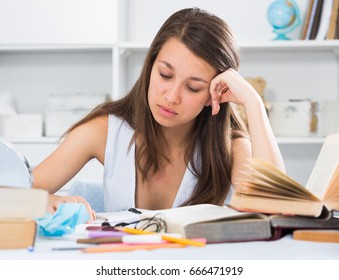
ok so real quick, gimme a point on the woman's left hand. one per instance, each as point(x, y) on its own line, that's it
point(230, 86)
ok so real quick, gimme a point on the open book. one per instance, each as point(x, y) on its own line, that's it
point(263, 188)
point(224, 224)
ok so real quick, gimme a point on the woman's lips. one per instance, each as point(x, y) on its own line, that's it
point(167, 112)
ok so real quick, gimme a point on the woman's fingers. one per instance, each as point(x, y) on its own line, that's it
point(55, 201)
point(217, 92)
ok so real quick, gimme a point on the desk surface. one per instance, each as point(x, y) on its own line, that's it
point(283, 249)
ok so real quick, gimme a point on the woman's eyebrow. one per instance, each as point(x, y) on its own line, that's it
point(168, 65)
point(198, 79)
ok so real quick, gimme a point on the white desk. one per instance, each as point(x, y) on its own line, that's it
point(283, 249)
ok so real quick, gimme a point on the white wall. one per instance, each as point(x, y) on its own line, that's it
point(31, 76)
point(57, 21)
point(247, 18)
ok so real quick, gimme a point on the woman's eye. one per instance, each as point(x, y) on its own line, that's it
point(166, 77)
point(192, 89)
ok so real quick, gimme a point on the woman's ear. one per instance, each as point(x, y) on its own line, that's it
point(209, 102)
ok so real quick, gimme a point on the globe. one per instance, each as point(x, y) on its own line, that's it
point(284, 16)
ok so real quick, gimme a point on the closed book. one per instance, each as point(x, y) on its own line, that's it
point(325, 20)
point(311, 19)
point(17, 233)
point(336, 33)
point(317, 235)
point(333, 21)
point(317, 19)
point(286, 222)
point(306, 20)
point(18, 202)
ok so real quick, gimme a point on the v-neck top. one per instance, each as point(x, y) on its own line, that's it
point(120, 172)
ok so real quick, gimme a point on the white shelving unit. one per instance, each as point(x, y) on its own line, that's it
point(32, 68)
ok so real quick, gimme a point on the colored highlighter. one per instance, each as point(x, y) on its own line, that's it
point(101, 233)
point(125, 247)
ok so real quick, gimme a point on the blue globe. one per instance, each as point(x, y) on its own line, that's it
point(284, 16)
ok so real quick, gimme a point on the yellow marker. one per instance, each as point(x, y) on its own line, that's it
point(133, 230)
point(184, 241)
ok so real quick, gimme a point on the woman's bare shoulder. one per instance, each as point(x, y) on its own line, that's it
point(96, 127)
point(91, 136)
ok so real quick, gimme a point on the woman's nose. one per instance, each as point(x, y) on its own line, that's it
point(172, 95)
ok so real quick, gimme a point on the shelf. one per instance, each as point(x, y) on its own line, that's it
point(293, 45)
point(274, 45)
point(280, 140)
point(56, 48)
point(35, 140)
point(300, 140)
point(126, 48)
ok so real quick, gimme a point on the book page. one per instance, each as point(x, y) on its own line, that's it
point(331, 197)
point(196, 213)
point(117, 217)
point(325, 166)
point(271, 180)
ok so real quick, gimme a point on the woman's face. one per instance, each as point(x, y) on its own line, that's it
point(179, 85)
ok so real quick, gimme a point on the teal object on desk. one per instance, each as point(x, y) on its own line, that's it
point(284, 16)
point(64, 220)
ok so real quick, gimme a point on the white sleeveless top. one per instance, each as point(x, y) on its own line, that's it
point(120, 173)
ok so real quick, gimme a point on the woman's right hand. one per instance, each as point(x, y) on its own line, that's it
point(230, 86)
point(55, 200)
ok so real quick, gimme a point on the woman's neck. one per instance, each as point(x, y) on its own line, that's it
point(176, 138)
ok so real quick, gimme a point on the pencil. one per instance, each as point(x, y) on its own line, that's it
point(99, 240)
point(126, 239)
point(68, 248)
point(124, 248)
point(185, 241)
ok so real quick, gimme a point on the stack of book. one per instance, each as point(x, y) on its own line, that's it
point(19, 207)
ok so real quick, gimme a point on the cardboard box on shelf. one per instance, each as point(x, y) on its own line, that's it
point(57, 122)
point(64, 110)
point(21, 125)
point(328, 117)
point(75, 101)
point(293, 118)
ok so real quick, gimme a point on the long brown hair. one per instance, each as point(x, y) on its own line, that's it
point(210, 38)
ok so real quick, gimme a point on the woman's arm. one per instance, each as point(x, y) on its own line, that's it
point(82, 144)
point(262, 143)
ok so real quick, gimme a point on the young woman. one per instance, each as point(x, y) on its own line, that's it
point(175, 138)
